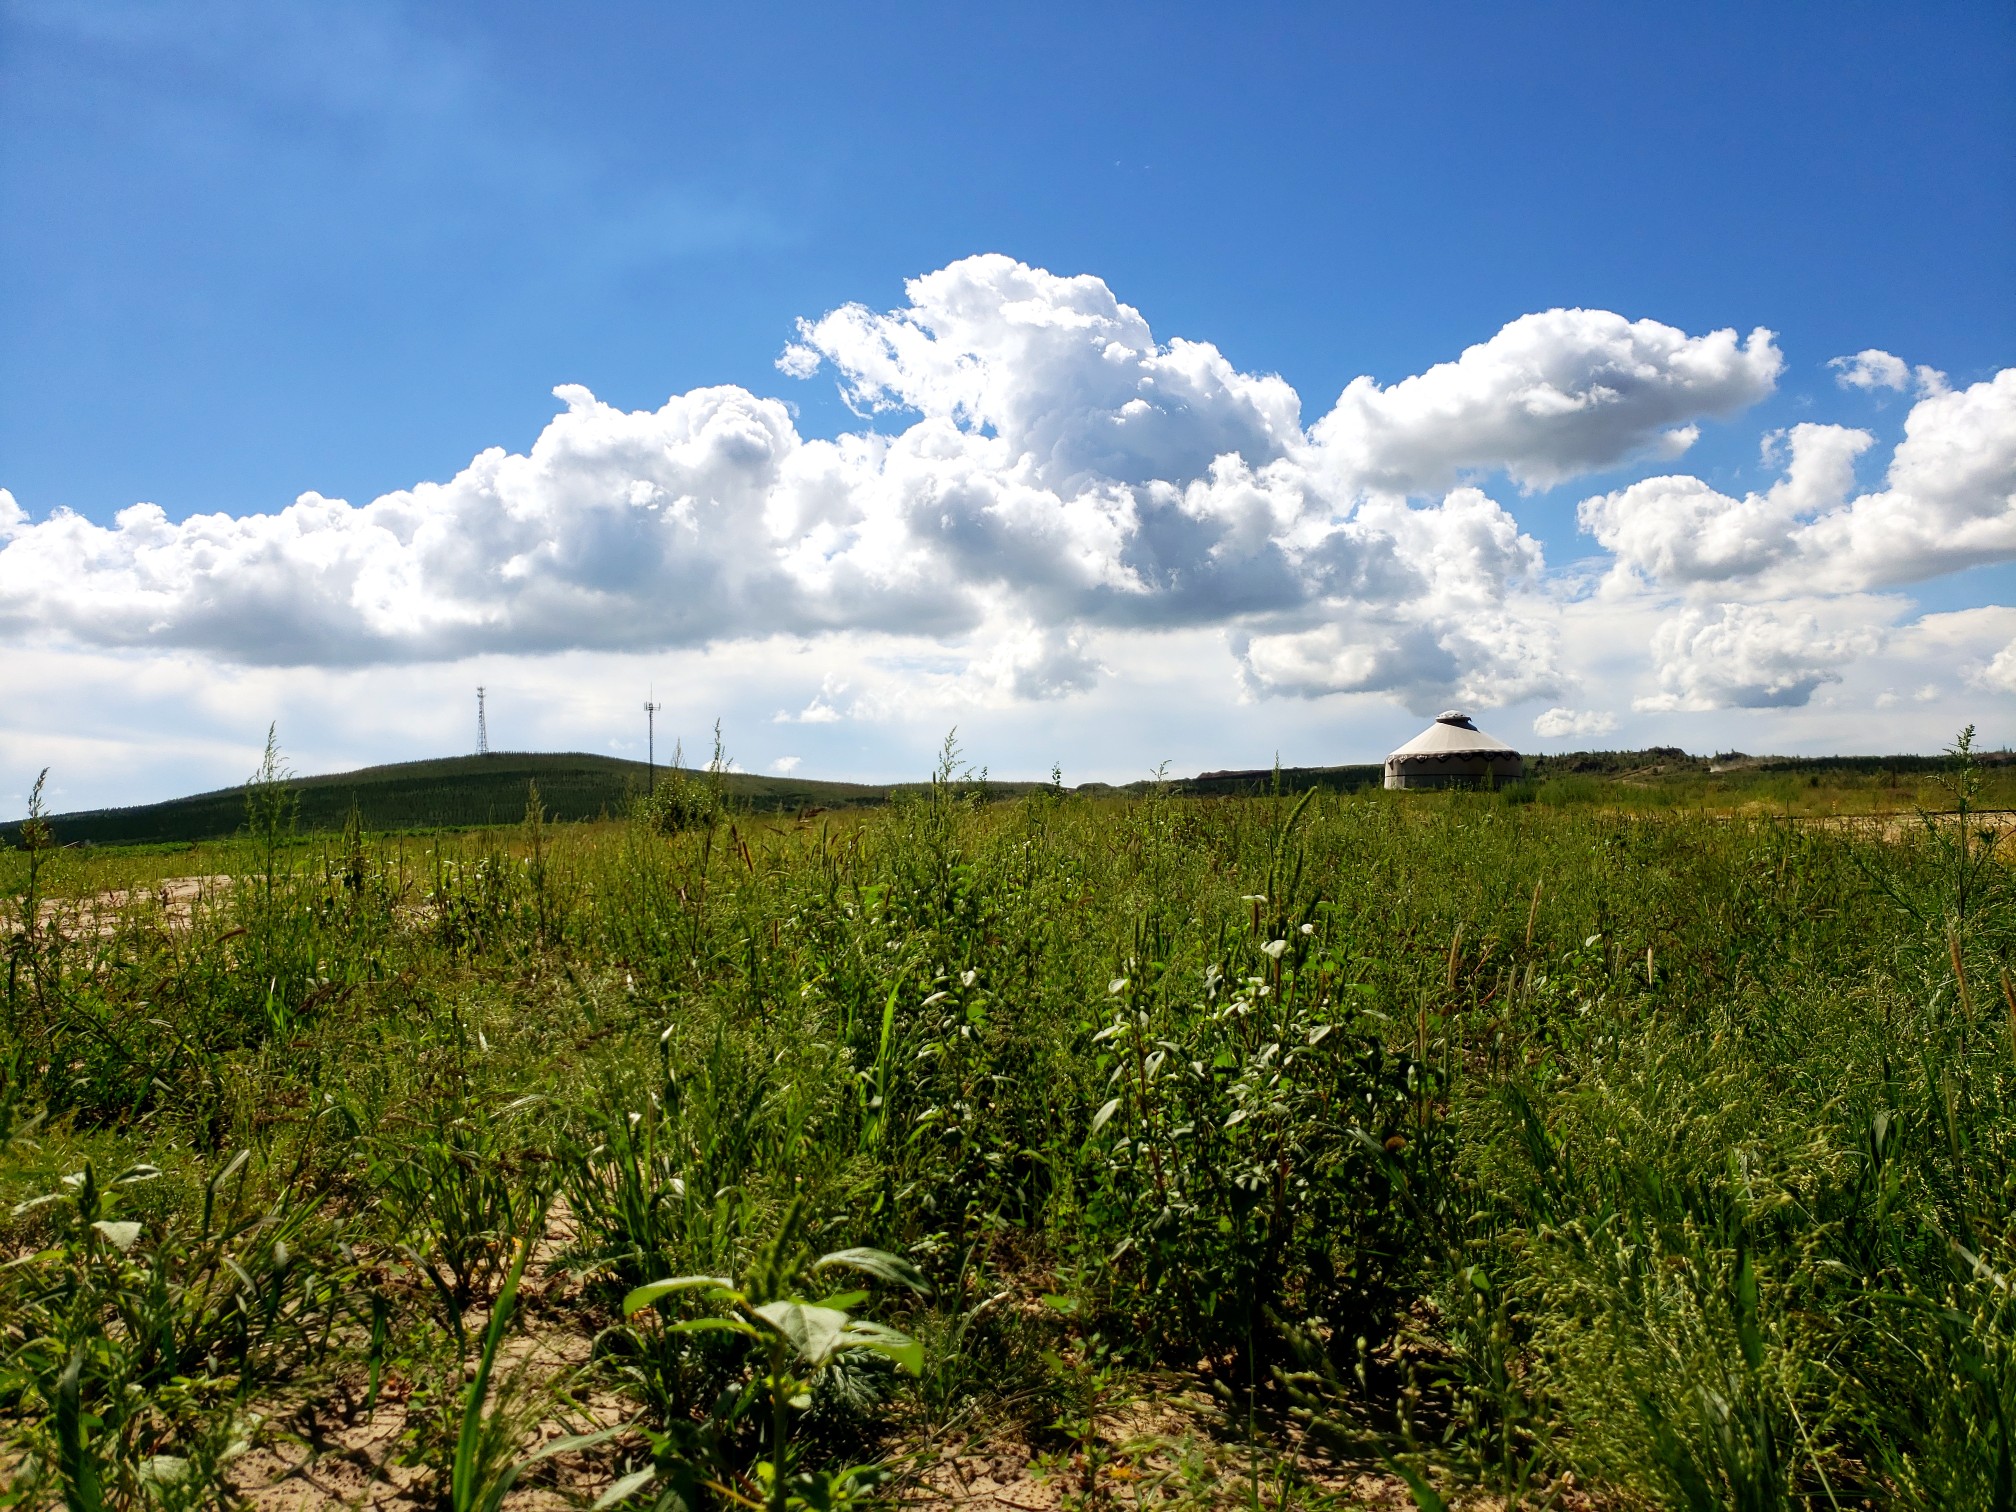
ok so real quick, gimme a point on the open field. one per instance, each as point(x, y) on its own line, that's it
point(1545, 1147)
point(463, 792)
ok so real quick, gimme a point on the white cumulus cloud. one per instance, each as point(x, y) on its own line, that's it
point(1557, 722)
point(822, 708)
point(1439, 604)
point(1949, 502)
point(1549, 397)
point(1677, 530)
point(2000, 673)
point(1873, 368)
point(1070, 381)
point(1749, 656)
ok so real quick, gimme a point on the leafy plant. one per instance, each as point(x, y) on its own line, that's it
point(131, 1347)
point(679, 800)
point(791, 1344)
point(453, 1195)
point(270, 808)
point(27, 943)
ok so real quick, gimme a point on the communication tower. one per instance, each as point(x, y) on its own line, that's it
point(651, 744)
point(482, 726)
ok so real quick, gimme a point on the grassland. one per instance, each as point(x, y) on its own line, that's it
point(1556, 1146)
point(468, 792)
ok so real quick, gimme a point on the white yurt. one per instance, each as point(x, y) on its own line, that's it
point(1452, 752)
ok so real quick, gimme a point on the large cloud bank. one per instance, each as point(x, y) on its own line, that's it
point(1772, 587)
point(1949, 502)
point(1035, 466)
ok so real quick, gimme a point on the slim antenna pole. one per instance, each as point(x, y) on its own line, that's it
point(650, 744)
point(482, 726)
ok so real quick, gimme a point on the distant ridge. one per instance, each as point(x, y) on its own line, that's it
point(459, 792)
point(447, 793)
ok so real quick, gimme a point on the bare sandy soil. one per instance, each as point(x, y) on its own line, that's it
point(171, 903)
point(1167, 1447)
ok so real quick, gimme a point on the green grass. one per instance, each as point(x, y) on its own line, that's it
point(464, 792)
point(1516, 1141)
point(451, 793)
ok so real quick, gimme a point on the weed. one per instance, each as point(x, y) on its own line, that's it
point(793, 1346)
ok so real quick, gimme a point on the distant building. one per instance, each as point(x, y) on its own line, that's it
point(1452, 752)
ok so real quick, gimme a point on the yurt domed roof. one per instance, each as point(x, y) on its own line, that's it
point(1452, 734)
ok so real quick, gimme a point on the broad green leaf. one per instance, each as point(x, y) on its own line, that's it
point(1099, 1119)
point(880, 1264)
point(649, 1294)
point(815, 1332)
point(888, 1342)
point(164, 1470)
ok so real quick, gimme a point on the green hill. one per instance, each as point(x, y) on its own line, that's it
point(449, 793)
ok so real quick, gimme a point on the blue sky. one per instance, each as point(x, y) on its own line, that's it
point(250, 251)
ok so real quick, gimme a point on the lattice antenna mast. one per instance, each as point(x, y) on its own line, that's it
point(651, 744)
point(482, 726)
